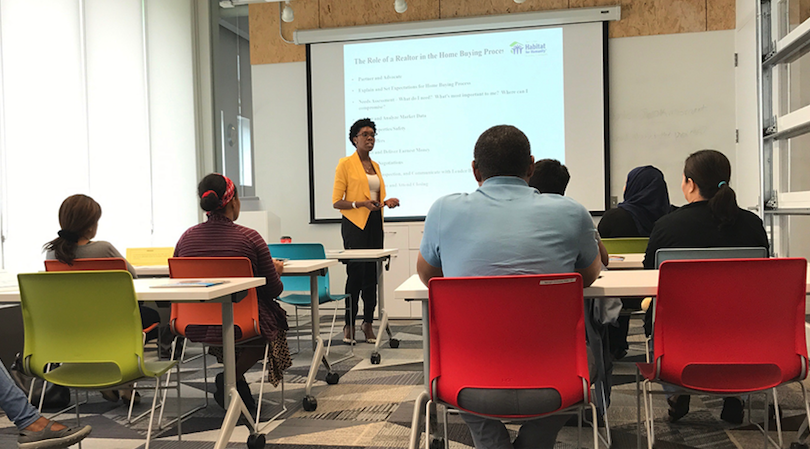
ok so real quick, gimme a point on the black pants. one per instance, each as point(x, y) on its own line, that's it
point(362, 276)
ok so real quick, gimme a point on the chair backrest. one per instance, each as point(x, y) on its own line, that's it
point(82, 317)
point(149, 257)
point(731, 325)
point(109, 263)
point(626, 245)
point(301, 251)
point(508, 346)
point(664, 254)
point(245, 312)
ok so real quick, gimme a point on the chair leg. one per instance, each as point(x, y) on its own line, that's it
point(152, 415)
point(595, 426)
point(806, 411)
point(777, 417)
point(297, 331)
point(261, 384)
point(332, 329)
point(646, 392)
point(427, 423)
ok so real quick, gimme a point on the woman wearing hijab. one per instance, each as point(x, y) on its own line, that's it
point(646, 199)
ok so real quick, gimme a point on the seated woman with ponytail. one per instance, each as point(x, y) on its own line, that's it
point(711, 219)
point(78, 217)
point(219, 236)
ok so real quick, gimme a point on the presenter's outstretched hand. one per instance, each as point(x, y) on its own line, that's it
point(392, 202)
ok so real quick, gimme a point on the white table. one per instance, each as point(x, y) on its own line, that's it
point(313, 268)
point(610, 284)
point(151, 270)
point(379, 256)
point(227, 293)
point(626, 262)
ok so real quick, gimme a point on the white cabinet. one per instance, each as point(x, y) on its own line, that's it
point(406, 238)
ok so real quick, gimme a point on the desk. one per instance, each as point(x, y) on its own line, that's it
point(227, 294)
point(155, 271)
point(379, 256)
point(618, 283)
point(627, 262)
point(313, 269)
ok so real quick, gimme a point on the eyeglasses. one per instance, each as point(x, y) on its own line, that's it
point(367, 134)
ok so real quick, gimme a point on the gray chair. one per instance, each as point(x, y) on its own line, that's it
point(664, 254)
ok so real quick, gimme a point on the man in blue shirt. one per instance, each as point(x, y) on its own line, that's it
point(507, 228)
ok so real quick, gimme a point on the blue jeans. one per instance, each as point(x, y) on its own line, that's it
point(14, 402)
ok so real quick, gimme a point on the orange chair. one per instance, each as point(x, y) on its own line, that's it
point(728, 328)
point(245, 312)
point(475, 364)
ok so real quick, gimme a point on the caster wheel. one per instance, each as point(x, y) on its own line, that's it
point(332, 378)
point(437, 443)
point(798, 446)
point(394, 343)
point(375, 358)
point(310, 403)
point(256, 441)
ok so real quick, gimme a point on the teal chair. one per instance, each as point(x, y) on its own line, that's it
point(87, 322)
point(305, 251)
point(626, 245)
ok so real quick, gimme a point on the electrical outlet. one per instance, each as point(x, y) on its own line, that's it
point(614, 201)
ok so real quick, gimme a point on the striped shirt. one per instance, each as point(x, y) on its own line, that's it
point(221, 237)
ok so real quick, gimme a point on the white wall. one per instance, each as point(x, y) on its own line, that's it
point(282, 155)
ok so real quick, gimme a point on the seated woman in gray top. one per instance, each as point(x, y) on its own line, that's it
point(78, 217)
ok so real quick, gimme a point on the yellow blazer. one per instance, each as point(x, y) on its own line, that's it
point(351, 184)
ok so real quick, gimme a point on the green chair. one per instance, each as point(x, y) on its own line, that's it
point(89, 324)
point(626, 245)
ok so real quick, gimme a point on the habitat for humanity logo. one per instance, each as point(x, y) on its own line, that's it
point(529, 49)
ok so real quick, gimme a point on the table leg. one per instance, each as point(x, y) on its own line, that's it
point(314, 303)
point(383, 316)
point(421, 401)
point(233, 402)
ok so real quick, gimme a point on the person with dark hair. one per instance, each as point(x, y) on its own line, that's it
point(359, 194)
point(710, 219)
point(550, 176)
point(507, 227)
point(36, 431)
point(219, 236)
point(78, 217)
point(646, 199)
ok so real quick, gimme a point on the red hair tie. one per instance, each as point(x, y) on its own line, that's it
point(210, 192)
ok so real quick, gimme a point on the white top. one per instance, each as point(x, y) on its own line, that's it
point(374, 186)
point(621, 283)
point(145, 292)
point(626, 262)
point(360, 254)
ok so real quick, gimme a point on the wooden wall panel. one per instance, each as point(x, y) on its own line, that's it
point(721, 15)
point(650, 17)
point(468, 8)
point(266, 46)
point(344, 13)
point(639, 17)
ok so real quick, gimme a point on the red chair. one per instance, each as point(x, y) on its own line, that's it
point(245, 312)
point(728, 328)
point(509, 347)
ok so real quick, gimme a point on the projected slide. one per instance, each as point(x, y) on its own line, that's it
point(431, 98)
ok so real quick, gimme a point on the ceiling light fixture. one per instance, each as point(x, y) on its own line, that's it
point(287, 13)
point(400, 6)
